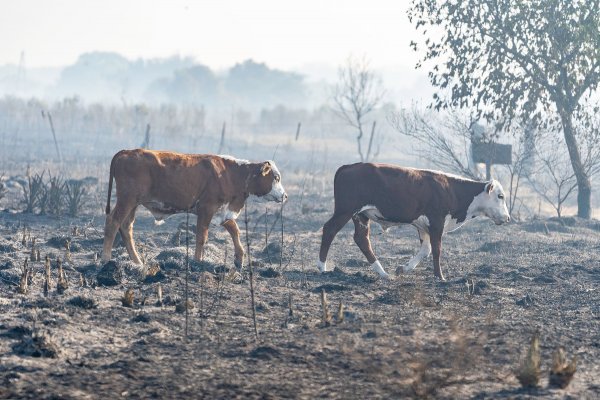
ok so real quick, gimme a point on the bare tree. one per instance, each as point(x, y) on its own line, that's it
point(535, 60)
point(553, 180)
point(521, 157)
point(444, 140)
point(358, 92)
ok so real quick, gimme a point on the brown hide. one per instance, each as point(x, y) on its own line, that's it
point(167, 183)
point(401, 195)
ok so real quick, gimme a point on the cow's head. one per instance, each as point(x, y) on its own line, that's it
point(491, 203)
point(266, 182)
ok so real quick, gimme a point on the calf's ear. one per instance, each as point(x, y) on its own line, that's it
point(489, 187)
point(266, 168)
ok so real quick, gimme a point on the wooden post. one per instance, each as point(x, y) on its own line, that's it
point(488, 170)
point(222, 144)
point(371, 140)
point(298, 131)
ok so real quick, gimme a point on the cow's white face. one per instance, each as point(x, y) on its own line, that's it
point(491, 203)
point(277, 192)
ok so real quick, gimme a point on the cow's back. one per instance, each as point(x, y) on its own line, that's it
point(172, 178)
point(401, 194)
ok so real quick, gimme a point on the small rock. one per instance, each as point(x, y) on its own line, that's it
point(526, 301)
point(181, 306)
point(269, 273)
point(145, 318)
point(86, 303)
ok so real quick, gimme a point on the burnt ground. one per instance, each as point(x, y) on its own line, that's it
point(409, 337)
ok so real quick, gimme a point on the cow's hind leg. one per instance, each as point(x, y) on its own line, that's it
point(126, 230)
point(435, 238)
point(113, 223)
point(361, 237)
point(330, 229)
point(233, 229)
point(423, 252)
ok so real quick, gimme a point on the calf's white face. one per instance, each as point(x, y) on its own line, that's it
point(491, 203)
point(277, 192)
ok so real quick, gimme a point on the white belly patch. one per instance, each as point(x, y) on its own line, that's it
point(223, 214)
point(371, 212)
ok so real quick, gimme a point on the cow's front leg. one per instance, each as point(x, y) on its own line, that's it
point(201, 234)
point(232, 227)
point(423, 252)
point(435, 238)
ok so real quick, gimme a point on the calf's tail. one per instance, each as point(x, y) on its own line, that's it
point(110, 180)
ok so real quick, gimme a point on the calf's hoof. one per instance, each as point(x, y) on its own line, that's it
point(322, 266)
point(238, 264)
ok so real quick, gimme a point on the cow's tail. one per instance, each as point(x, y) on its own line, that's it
point(110, 181)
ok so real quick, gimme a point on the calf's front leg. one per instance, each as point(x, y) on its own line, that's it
point(232, 227)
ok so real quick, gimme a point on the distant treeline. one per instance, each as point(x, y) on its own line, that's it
point(111, 78)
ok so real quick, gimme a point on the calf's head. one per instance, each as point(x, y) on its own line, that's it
point(266, 183)
point(491, 203)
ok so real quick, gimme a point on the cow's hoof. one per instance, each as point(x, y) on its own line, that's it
point(238, 264)
point(385, 276)
point(441, 278)
point(379, 269)
point(322, 266)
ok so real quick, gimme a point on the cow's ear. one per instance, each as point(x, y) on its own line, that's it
point(266, 168)
point(489, 187)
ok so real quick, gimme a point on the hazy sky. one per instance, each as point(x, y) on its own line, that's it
point(284, 34)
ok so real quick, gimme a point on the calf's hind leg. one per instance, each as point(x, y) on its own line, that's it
point(114, 220)
point(126, 230)
point(361, 237)
point(330, 229)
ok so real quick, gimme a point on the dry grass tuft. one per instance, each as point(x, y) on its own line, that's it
point(326, 315)
point(562, 371)
point(340, 313)
point(33, 255)
point(127, 299)
point(3, 189)
point(528, 372)
point(68, 250)
point(24, 280)
point(62, 285)
point(159, 294)
point(47, 277)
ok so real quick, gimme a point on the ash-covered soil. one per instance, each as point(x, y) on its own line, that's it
point(410, 337)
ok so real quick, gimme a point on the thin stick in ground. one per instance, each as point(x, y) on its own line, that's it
point(187, 270)
point(251, 273)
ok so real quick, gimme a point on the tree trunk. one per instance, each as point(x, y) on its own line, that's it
point(584, 186)
point(358, 142)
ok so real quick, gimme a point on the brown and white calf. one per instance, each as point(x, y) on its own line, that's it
point(214, 188)
point(431, 201)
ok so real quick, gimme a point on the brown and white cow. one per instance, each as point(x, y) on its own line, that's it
point(212, 187)
point(431, 201)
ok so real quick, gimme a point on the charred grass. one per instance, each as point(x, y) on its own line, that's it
point(412, 337)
